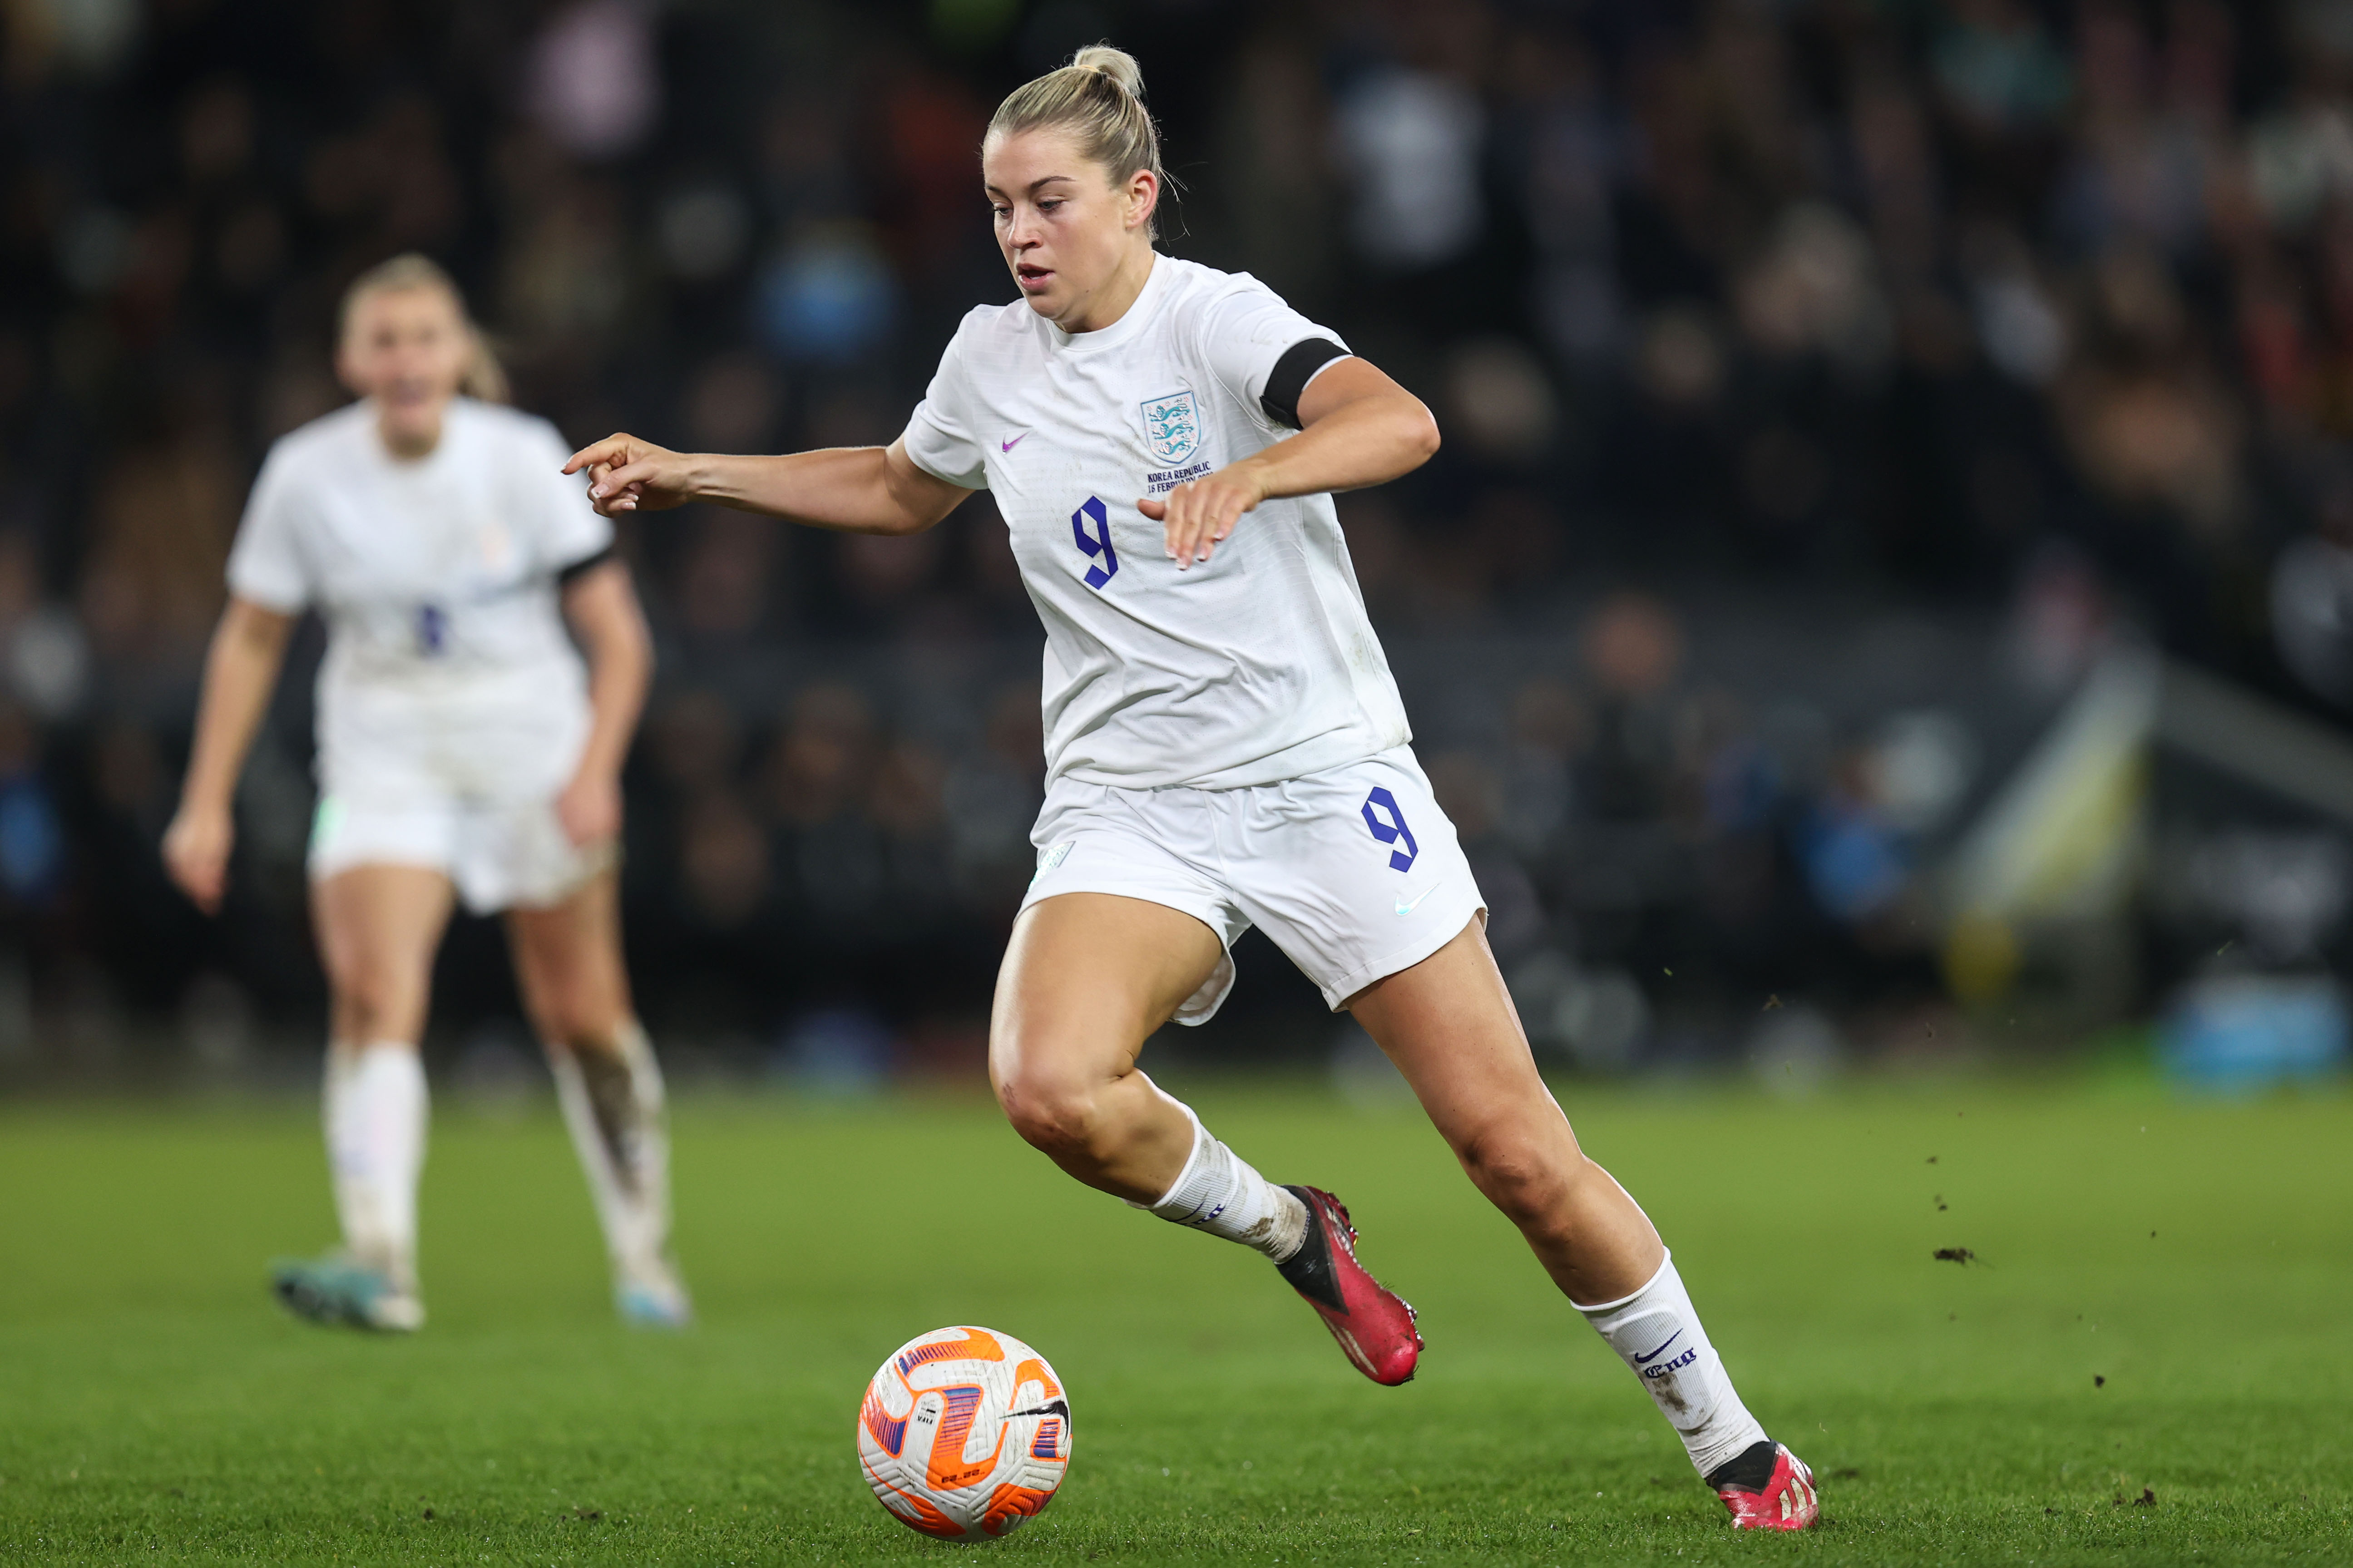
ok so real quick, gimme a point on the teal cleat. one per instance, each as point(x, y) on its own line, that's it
point(334, 1290)
point(653, 1299)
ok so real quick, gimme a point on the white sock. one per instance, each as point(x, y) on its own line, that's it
point(375, 1114)
point(614, 1106)
point(1657, 1332)
point(1220, 1193)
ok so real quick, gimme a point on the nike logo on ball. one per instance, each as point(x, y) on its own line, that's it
point(1008, 446)
point(1661, 1351)
point(1405, 909)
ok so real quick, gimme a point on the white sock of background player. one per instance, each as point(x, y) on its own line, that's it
point(1220, 1193)
point(613, 1104)
point(1657, 1332)
point(374, 1110)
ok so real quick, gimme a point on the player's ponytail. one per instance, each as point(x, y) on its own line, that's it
point(1098, 98)
point(485, 379)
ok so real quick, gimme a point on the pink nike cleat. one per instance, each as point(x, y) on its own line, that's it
point(1372, 1324)
point(1786, 1498)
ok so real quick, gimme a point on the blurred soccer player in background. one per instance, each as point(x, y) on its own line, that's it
point(465, 751)
point(1225, 746)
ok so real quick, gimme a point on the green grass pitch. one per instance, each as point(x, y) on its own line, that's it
point(2159, 1310)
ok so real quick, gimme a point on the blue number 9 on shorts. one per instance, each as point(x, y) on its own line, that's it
point(1390, 831)
point(1097, 544)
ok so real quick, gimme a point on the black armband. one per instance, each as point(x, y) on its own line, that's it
point(567, 575)
point(1290, 374)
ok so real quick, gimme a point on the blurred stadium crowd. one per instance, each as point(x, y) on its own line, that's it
point(1826, 382)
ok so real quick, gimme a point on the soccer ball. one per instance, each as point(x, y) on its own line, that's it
point(964, 1433)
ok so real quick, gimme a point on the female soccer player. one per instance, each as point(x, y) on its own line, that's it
point(1225, 744)
point(464, 752)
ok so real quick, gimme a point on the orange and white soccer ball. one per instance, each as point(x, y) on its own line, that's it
point(964, 1433)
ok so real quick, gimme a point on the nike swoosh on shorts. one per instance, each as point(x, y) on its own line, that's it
point(1008, 446)
point(1405, 909)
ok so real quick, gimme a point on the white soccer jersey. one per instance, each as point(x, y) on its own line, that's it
point(437, 578)
point(1257, 666)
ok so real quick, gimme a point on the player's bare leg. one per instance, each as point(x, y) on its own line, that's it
point(1087, 978)
point(378, 927)
point(567, 959)
point(1449, 1025)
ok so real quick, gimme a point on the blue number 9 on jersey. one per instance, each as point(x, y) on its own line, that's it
point(1098, 544)
point(1391, 830)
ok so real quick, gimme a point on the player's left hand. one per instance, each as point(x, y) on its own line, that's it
point(589, 809)
point(1199, 515)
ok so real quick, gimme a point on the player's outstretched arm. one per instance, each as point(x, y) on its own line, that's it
point(1357, 427)
point(854, 490)
point(240, 671)
point(601, 604)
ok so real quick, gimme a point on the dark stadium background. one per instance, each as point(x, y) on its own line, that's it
point(1836, 392)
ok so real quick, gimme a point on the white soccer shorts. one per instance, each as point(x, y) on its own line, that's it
point(1354, 872)
point(499, 855)
point(461, 779)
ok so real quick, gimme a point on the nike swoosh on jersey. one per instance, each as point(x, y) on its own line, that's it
point(1008, 446)
point(1405, 909)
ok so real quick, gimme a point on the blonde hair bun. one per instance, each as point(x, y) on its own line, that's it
point(1116, 64)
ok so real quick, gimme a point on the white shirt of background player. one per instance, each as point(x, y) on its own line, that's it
point(414, 520)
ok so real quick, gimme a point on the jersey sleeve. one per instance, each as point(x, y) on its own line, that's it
point(1264, 352)
point(565, 531)
point(266, 565)
point(939, 437)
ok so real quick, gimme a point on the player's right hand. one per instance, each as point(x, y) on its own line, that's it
point(195, 855)
point(626, 474)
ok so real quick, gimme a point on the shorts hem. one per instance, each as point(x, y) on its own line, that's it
point(590, 865)
point(1195, 1011)
point(1336, 994)
point(321, 869)
point(1128, 890)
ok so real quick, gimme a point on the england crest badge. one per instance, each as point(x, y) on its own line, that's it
point(1172, 427)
